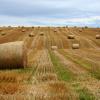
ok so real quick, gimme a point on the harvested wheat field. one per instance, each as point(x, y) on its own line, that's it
point(49, 63)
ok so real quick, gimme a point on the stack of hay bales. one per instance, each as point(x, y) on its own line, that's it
point(31, 34)
point(71, 36)
point(54, 47)
point(13, 55)
point(41, 33)
point(75, 46)
point(97, 36)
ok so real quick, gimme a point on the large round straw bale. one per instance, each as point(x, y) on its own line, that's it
point(13, 55)
point(98, 36)
point(80, 30)
point(54, 47)
point(31, 34)
point(71, 36)
point(55, 30)
point(23, 30)
point(0, 29)
point(75, 46)
point(41, 33)
point(3, 33)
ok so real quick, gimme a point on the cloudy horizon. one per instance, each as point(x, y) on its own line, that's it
point(50, 12)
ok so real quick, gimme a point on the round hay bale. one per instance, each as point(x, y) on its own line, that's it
point(3, 33)
point(75, 46)
point(80, 30)
point(41, 33)
point(97, 36)
point(31, 34)
point(71, 36)
point(23, 30)
point(55, 30)
point(13, 55)
point(54, 47)
point(0, 30)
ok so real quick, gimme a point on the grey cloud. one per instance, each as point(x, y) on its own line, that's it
point(41, 8)
point(29, 9)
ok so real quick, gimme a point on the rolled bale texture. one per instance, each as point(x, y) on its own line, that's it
point(97, 36)
point(13, 55)
point(75, 46)
point(71, 36)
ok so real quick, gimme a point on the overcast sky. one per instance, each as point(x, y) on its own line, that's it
point(50, 12)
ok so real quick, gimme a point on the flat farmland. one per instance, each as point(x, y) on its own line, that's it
point(57, 68)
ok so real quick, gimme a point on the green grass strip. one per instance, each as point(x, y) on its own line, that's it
point(86, 64)
point(84, 93)
point(62, 72)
